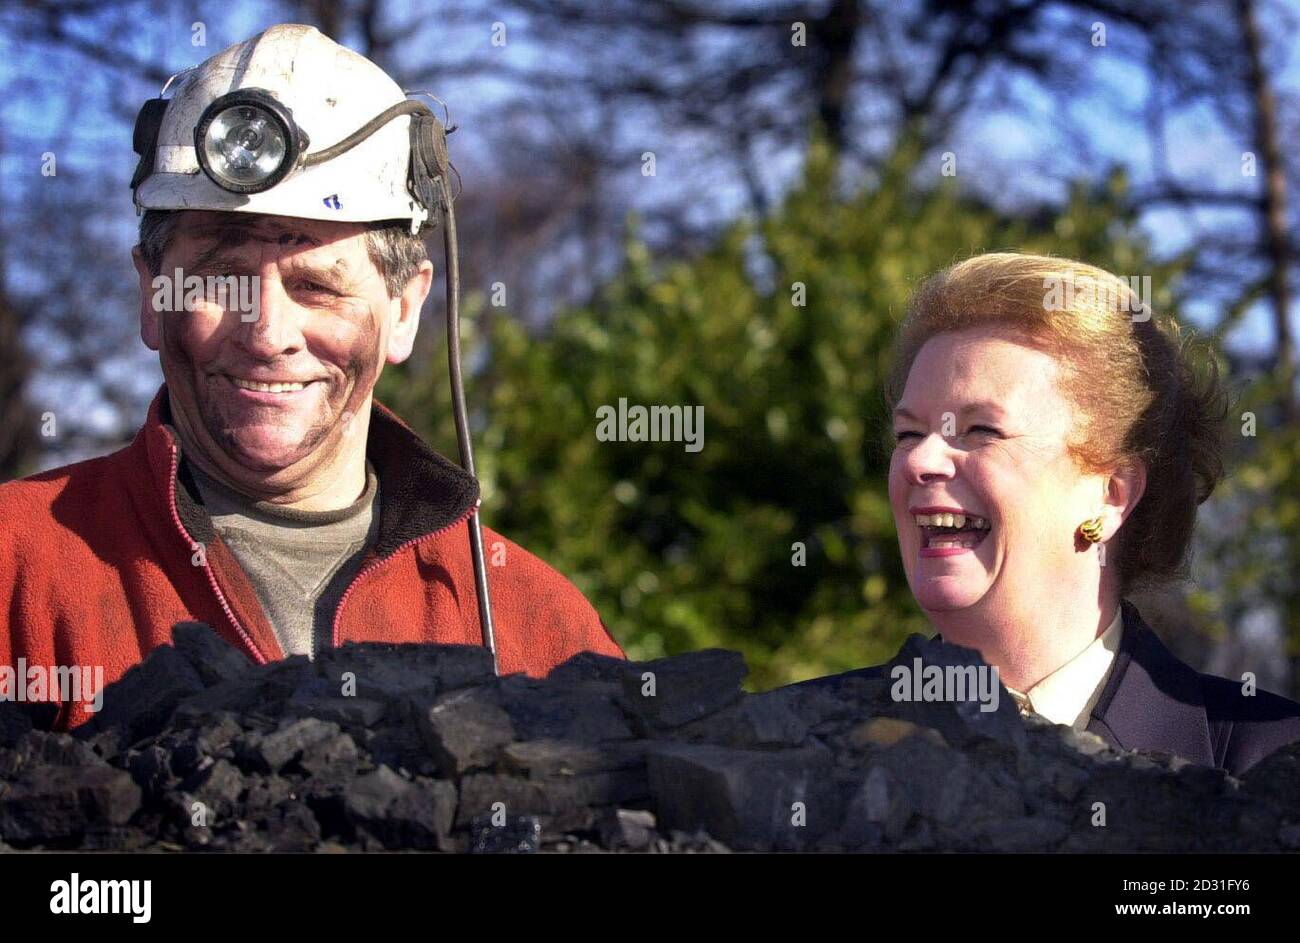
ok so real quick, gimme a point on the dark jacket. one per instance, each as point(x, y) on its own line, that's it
point(1153, 701)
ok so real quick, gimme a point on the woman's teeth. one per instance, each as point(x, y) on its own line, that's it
point(946, 530)
point(267, 387)
point(968, 541)
point(951, 520)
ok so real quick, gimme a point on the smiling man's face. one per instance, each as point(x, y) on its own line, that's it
point(271, 402)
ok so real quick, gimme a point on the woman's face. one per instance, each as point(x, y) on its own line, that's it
point(981, 432)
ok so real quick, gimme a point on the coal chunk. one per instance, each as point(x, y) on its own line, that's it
point(633, 829)
point(209, 654)
point(588, 666)
point(757, 721)
point(347, 712)
point(51, 805)
point(551, 758)
point(562, 803)
point(670, 692)
point(962, 710)
point(14, 722)
point(312, 745)
point(546, 709)
point(143, 699)
point(745, 798)
point(401, 813)
point(466, 729)
point(391, 672)
point(262, 693)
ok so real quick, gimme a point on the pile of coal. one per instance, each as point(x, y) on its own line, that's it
point(422, 747)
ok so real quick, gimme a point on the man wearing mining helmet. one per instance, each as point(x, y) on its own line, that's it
point(268, 495)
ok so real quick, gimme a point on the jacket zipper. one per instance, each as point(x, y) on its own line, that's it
point(376, 564)
point(207, 568)
point(338, 612)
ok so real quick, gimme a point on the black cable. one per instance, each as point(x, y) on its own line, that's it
point(462, 420)
point(410, 106)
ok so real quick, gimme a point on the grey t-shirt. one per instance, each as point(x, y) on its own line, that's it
point(299, 562)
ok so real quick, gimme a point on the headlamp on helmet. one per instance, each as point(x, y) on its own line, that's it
point(246, 141)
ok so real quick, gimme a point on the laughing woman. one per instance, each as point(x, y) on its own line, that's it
point(1053, 442)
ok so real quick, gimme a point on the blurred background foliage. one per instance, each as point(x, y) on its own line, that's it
point(1150, 137)
point(782, 333)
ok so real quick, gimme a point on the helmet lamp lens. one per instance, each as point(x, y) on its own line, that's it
point(245, 146)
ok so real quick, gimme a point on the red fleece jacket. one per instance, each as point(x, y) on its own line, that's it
point(98, 561)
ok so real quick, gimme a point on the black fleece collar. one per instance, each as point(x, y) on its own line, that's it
point(421, 490)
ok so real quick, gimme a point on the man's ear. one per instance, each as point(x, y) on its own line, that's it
point(150, 331)
point(405, 313)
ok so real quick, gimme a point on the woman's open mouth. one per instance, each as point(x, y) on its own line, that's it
point(944, 534)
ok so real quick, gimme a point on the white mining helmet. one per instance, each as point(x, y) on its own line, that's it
point(290, 123)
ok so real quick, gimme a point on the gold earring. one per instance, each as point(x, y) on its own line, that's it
point(1091, 530)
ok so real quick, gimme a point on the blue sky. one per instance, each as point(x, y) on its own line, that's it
point(45, 96)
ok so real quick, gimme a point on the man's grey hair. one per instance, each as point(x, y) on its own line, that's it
point(396, 253)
